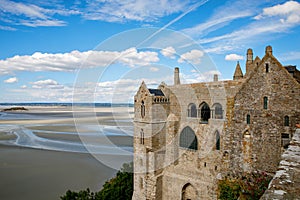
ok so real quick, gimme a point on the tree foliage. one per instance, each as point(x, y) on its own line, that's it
point(118, 188)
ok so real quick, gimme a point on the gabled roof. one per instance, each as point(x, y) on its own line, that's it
point(156, 92)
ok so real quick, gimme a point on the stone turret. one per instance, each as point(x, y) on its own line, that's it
point(176, 76)
point(238, 74)
point(269, 50)
point(249, 62)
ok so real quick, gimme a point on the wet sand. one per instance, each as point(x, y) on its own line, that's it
point(41, 174)
point(27, 173)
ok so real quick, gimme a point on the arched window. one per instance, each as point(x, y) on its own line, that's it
point(218, 111)
point(248, 119)
point(142, 109)
point(205, 112)
point(188, 139)
point(286, 121)
point(192, 110)
point(265, 102)
point(217, 140)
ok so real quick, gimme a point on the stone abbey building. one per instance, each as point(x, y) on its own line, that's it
point(189, 136)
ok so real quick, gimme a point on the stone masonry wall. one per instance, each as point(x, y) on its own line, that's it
point(286, 182)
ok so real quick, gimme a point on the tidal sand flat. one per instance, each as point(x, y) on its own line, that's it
point(43, 154)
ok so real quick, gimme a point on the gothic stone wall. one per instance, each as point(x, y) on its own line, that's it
point(262, 136)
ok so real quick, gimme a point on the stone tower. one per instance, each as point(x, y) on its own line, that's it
point(151, 111)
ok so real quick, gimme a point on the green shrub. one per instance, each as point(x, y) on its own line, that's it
point(118, 188)
point(250, 187)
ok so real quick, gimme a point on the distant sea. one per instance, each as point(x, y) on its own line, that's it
point(70, 104)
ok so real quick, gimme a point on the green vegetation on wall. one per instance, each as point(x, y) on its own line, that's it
point(249, 187)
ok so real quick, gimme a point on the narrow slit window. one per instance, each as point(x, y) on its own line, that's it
point(217, 141)
point(286, 121)
point(265, 102)
point(248, 119)
point(142, 109)
point(142, 137)
point(267, 67)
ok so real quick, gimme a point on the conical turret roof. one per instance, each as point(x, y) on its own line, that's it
point(238, 74)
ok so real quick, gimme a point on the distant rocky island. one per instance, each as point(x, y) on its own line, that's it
point(14, 109)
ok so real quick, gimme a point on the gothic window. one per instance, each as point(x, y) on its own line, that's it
point(218, 111)
point(286, 121)
point(142, 109)
point(192, 110)
point(265, 102)
point(188, 139)
point(248, 119)
point(217, 140)
point(267, 67)
point(142, 137)
point(204, 112)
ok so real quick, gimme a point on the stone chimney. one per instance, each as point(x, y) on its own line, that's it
point(249, 62)
point(269, 50)
point(216, 78)
point(176, 76)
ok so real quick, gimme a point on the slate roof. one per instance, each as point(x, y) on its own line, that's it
point(156, 92)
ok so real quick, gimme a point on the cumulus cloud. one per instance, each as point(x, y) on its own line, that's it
point(168, 52)
point(289, 12)
point(234, 57)
point(11, 80)
point(193, 56)
point(24, 86)
point(48, 84)
point(75, 60)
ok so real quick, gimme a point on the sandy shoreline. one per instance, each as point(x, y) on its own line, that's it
point(40, 174)
point(28, 173)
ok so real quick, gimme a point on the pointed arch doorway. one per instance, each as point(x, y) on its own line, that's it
point(188, 192)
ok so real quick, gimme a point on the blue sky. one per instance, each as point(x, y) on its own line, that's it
point(100, 51)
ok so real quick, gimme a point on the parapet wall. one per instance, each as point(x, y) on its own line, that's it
point(286, 182)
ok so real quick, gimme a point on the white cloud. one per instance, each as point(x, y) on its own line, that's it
point(197, 77)
point(48, 84)
point(27, 14)
point(193, 56)
point(7, 28)
point(294, 55)
point(154, 69)
point(75, 60)
point(168, 52)
point(289, 12)
point(11, 80)
point(234, 57)
point(24, 86)
point(137, 10)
